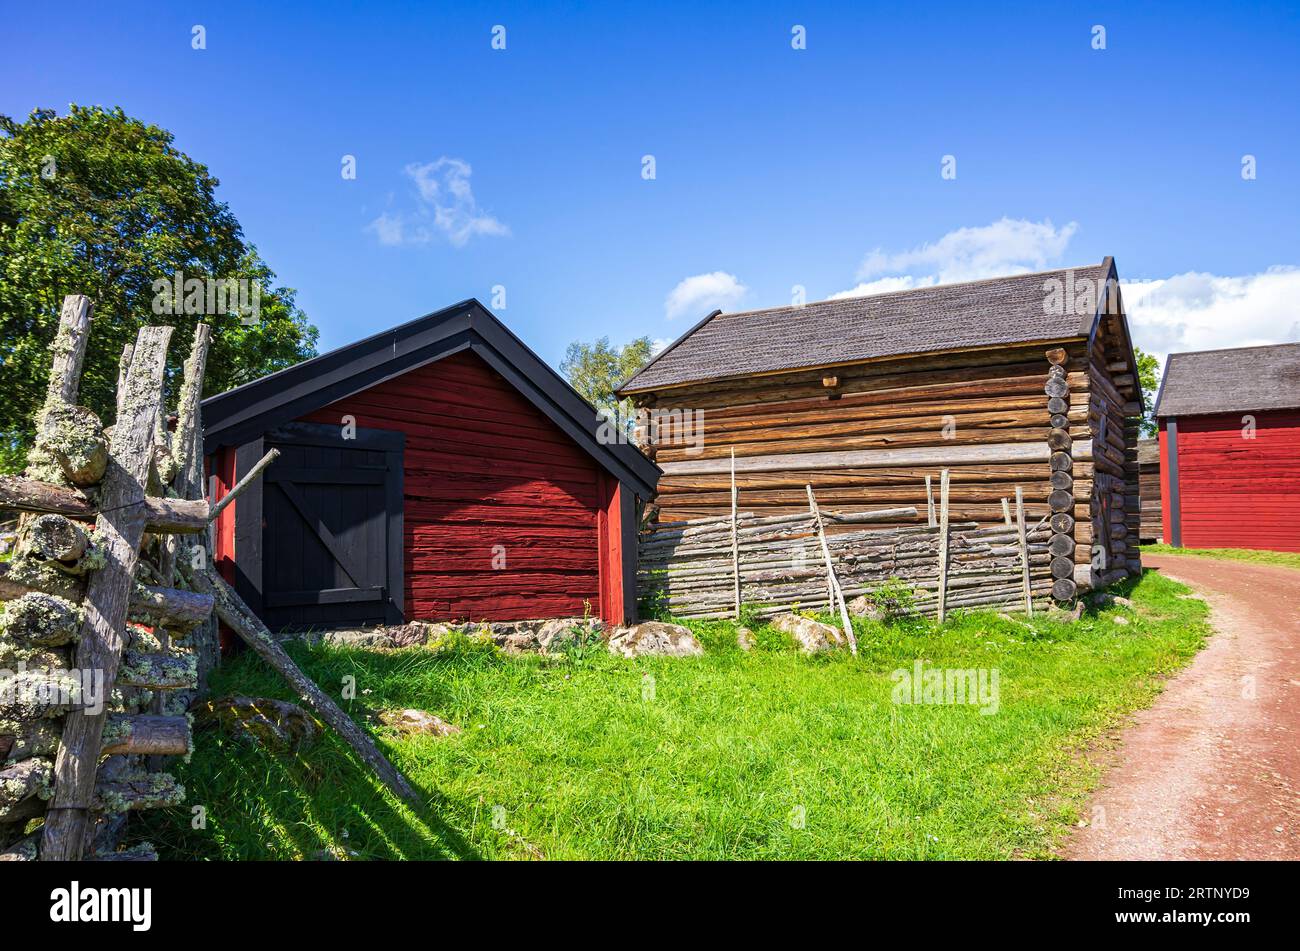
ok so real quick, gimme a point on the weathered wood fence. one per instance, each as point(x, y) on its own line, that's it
point(692, 568)
point(97, 602)
point(111, 578)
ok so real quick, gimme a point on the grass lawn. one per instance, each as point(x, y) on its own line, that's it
point(1289, 559)
point(760, 755)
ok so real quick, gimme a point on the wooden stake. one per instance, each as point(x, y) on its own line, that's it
point(243, 483)
point(205, 640)
point(123, 367)
point(184, 450)
point(188, 424)
point(929, 501)
point(69, 354)
point(836, 594)
point(119, 529)
point(943, 545)
point(1006, 512)
point(1024, 549)
point(735, 546)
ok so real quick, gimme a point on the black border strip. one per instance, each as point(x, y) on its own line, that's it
point(1171, 451)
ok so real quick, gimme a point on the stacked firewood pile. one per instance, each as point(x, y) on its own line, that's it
point(111, 600)
point(100, 630)
point(691, 568)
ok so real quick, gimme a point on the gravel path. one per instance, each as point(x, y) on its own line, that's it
point(1212, 769)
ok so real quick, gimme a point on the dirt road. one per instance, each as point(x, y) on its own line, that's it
point(1212, 769)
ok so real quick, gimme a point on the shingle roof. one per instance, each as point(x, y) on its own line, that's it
point(1000, 310)
point(1231, 381)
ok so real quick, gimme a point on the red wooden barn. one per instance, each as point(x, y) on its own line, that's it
point(1230, 448)
point(436, 471)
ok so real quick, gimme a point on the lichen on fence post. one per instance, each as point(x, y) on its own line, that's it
point(72, 587)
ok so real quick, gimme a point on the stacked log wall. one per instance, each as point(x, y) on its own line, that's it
point(1067, 491)
point(688, 570)
point(981, 414)
point(1152, 523)
point(1108, 518)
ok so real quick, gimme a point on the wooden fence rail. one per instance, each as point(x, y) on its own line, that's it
point(779, 562)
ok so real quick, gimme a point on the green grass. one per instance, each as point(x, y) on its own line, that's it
point(1289, 559)
point(719, 764)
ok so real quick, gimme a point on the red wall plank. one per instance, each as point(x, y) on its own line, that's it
point(610, 527)
point(501, 506)
point(221, 466)
point(1238, 489)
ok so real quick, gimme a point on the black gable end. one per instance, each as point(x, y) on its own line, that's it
point(241, 414)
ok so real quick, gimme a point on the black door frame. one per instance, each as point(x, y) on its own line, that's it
point(250, 521)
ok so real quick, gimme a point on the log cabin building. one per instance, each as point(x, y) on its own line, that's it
point(437, 471)
point(1230, 448)
point(1027, 380)
point(1149, 490)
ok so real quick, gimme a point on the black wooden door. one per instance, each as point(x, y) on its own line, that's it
point(332, 528)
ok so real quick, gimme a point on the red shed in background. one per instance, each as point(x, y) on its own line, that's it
point(1230, 448)
point(437, 471)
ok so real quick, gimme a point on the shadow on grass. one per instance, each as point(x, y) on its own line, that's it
point(318, 803)
point(321, 804)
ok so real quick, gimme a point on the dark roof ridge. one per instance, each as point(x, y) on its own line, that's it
point(1253, 346)
point(908, 290)
point(992, 311)
point(1258, 378)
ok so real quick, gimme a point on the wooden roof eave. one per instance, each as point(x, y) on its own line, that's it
point(1046, 342)
point(622, 389)
point(1092, 325)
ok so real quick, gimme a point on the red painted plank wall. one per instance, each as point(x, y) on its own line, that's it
point(487, 476)
point(1236, 492)
point(221, 467)
point(609, 525)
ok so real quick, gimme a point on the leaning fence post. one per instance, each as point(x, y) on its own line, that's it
point(1024, 549)
point(1006, 513)
point(735, 545)
point(943, 545)
point(69, 351)
point(837, 592)
point(929, 502)
point(121, 523)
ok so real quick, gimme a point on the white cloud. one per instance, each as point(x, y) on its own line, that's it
point(1191, 311)
point(388, 229)
point(658, 345)
point(445, 205)
point(1197, 311)
point(1008, 246)
point(703, 293)
point(885, 285)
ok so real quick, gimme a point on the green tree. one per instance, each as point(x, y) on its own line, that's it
point(595, 370)
point(1149, 379)
point(101, 204)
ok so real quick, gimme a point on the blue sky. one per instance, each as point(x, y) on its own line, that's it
point(775, 167)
